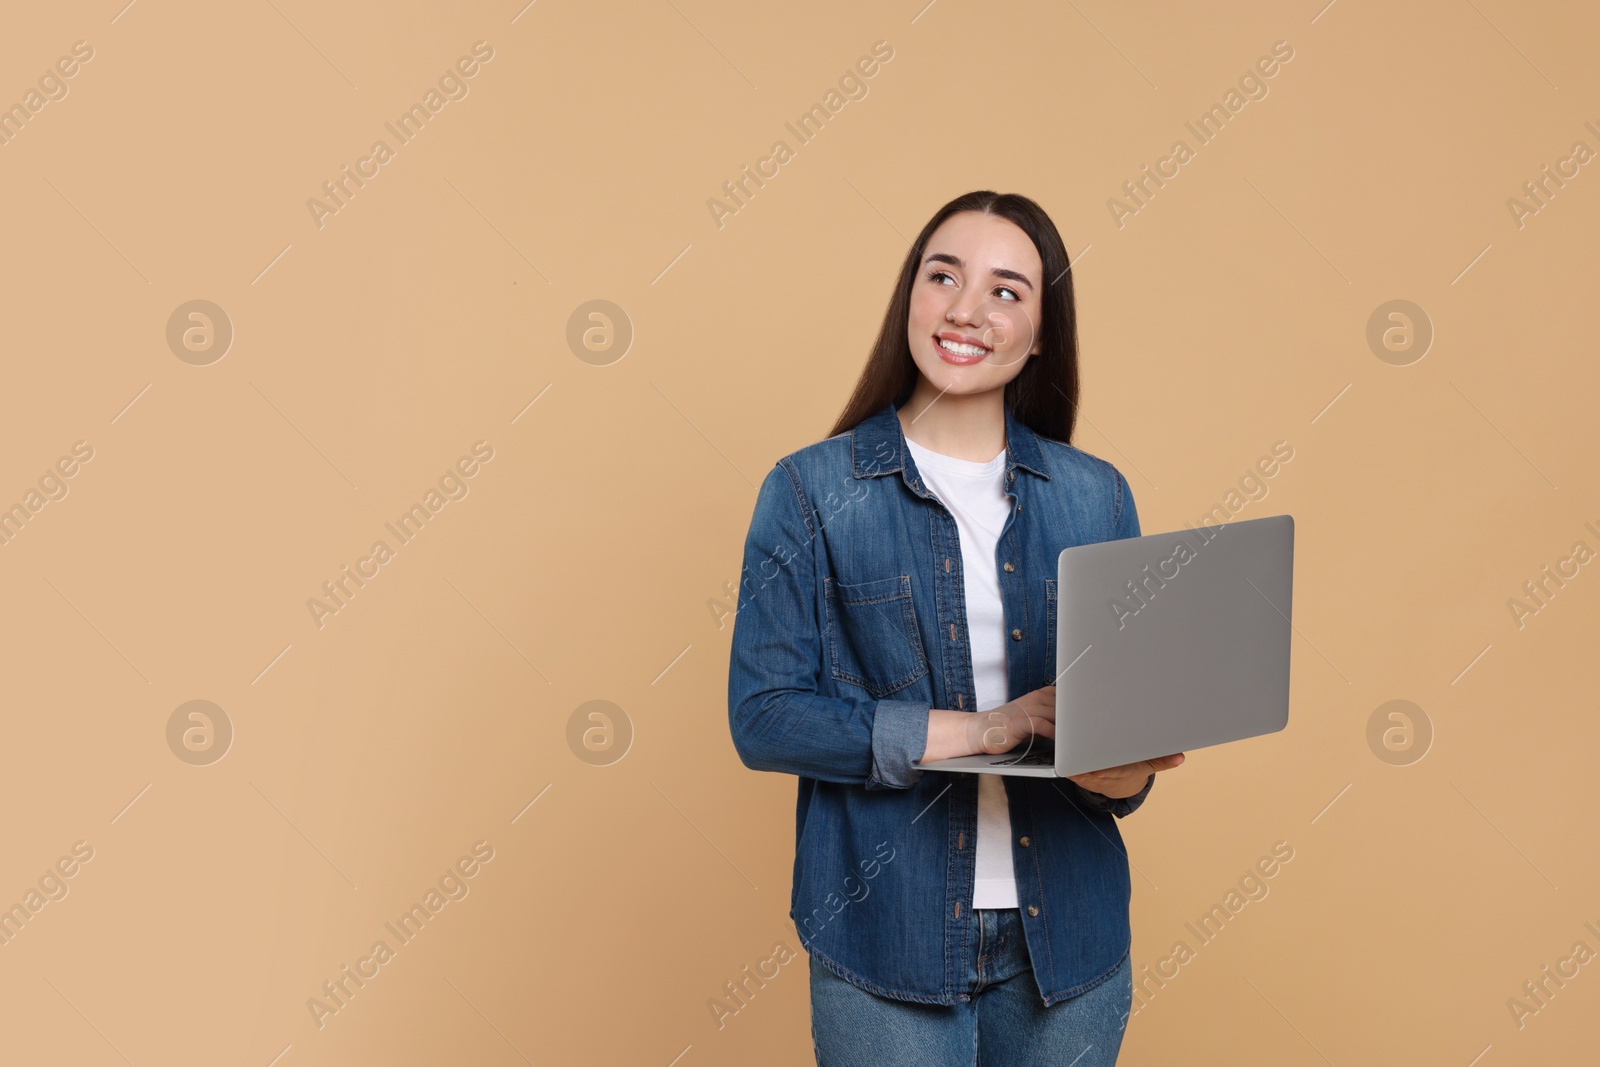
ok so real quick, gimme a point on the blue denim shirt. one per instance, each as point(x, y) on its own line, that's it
point(851, 625)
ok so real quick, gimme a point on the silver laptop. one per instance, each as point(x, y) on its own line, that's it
point(1164, 643)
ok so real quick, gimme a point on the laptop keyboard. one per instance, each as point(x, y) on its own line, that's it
point(1032, 758)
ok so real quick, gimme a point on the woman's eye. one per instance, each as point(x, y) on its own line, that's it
point(937, 275)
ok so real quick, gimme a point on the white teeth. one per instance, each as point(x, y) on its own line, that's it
point(962, 350)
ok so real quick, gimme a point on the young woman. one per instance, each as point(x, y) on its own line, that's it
point(898, 604)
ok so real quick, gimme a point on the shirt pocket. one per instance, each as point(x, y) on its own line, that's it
point(873, 641)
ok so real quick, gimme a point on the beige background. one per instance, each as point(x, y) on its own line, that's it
point(590, 556)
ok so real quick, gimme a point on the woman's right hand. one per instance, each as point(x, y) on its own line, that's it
point(1002, 729)
point(972, 733)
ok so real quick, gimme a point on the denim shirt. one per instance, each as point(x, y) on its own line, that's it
point(851, 625)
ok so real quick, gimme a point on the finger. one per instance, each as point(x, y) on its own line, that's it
point(1158, 763)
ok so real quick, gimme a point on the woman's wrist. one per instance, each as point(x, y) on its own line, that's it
point(949, 734)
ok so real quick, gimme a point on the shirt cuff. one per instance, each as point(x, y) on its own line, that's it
point(1121, 807)
point(899, 738)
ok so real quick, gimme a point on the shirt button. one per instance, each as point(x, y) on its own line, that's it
point(1032, 910)
point(1009, 567)
point(1025, 842)
point(1016, 635)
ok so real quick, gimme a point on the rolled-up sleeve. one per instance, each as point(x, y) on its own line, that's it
point(778, 718)
point(899, 738)
point(1121, 807)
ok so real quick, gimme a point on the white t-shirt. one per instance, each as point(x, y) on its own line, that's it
point(975, 494)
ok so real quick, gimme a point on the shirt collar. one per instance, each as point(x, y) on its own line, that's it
point(877, 446)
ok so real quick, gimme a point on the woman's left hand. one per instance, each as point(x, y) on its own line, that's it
point(1121, 782)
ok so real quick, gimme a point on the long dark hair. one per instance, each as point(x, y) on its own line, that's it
point(1044, 394)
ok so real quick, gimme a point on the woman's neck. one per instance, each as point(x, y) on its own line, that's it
point(965, 426)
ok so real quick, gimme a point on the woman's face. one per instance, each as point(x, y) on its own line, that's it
point(975, 304)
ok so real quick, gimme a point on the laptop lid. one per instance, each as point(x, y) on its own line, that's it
point(1172, 642)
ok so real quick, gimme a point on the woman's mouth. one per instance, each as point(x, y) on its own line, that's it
point(960, 353)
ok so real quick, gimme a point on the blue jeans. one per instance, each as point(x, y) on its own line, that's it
point(1004, 1023)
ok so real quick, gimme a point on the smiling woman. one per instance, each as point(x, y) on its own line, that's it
point(910, 625)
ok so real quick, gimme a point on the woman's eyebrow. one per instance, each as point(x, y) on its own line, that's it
point(998, 272)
